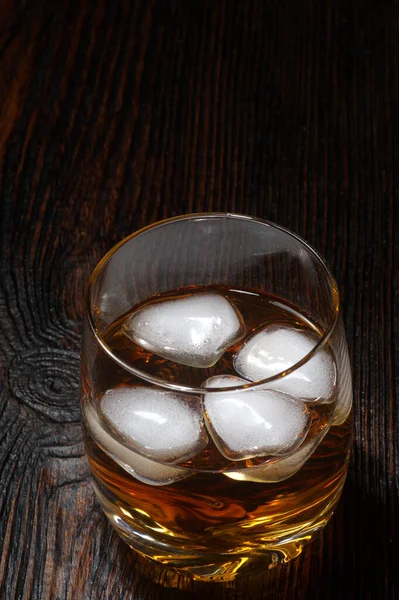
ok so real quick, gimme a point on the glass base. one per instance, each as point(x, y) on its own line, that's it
point(174, 574)
point(180, 570)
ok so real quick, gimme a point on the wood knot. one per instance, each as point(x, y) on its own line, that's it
point(47, 380)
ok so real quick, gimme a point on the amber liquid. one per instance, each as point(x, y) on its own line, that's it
point(208, 524)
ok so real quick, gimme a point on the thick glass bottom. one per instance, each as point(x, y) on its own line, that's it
point(178, 565)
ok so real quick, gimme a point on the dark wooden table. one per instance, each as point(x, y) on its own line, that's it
point(115, 114)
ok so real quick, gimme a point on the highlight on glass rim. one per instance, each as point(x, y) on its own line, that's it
point(216, 393)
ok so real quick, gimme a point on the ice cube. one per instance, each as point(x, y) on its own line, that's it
point(143, 469)
point(345, 393)
point(250, 423)
point(223, 381)
point(159, 424)
point(279, 469)
point(194, 330)
point(276, 349)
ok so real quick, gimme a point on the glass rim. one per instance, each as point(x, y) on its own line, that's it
point(215, 390)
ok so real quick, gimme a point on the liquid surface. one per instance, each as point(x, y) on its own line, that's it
point(258, 310)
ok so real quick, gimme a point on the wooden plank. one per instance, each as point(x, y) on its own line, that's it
point(116, 114)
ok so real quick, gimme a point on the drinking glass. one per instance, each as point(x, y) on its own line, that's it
point(230, 476)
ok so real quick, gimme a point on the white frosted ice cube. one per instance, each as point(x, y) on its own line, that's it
point(281, 468)
point(254, 423)
point(193, 330)
point(223, 381)
point(143, 469)
point(276, 349)
point(159, 424)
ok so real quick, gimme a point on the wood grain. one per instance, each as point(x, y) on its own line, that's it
point(116, 114)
